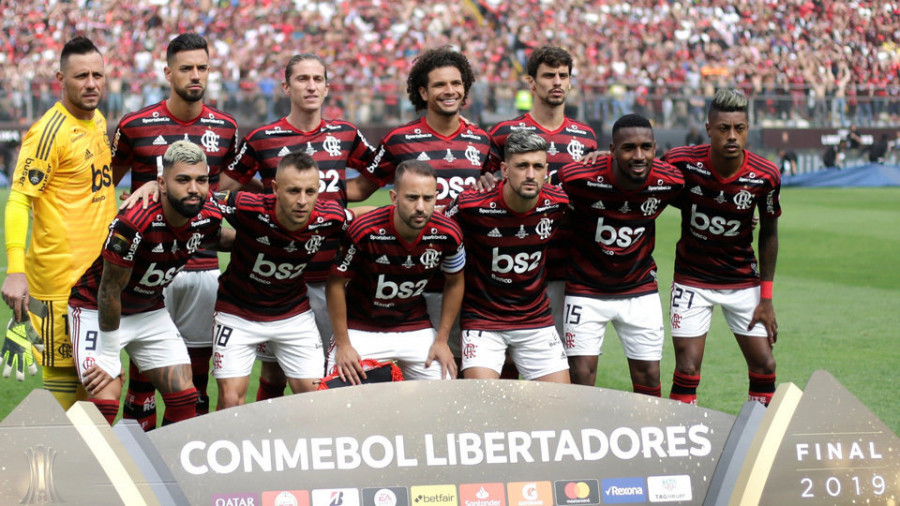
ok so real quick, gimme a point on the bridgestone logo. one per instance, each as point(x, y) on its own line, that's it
point(625, 491)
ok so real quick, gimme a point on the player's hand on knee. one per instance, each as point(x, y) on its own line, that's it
point(441, 353)
point(147, 193)
point(17, 351)
point(95, 380)
point(348, 365)
point(765, 314)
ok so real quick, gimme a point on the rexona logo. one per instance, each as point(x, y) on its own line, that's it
point(482, 494)
point(669, 488)
point(385, 496)
point(581, 492)
point(285, 498)
point(235, 500)
point(335, 497)
point(530, 493)
point(623, 490)
point(434, 495)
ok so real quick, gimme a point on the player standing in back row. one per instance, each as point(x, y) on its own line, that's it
point(714, 262)
point(549, 75)
point(335, 145)
point(139, 144)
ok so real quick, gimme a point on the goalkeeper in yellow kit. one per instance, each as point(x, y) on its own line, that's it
point(63, 178)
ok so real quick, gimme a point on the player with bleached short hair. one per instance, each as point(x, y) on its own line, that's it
point(118, 303)
point(507, 230)
point(715, 264)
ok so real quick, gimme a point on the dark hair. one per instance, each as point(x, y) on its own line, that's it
point(185, 42)
point(728, 100)
point(297, 58)
point(414, 167)
point(433, 59)
point(299, 160)
point(551, 56)
point(631, 121)
point(78, 45)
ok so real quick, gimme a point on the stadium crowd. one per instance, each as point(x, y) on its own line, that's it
point(821, 62)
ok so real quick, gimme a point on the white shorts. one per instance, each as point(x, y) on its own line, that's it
point(637, 320)
point(691, 310)
point(294, 342)
point(191, 300)
point(536, 352)
point(433, 302)
point(556, 292)
point(316, 294)
point(151, 340)
point(408, 349)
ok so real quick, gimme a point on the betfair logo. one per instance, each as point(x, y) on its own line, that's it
point(434, 495)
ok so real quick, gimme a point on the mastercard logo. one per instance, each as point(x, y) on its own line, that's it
point(577, 490)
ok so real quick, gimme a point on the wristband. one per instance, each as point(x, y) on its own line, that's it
point(108, 357)
point(765, 290)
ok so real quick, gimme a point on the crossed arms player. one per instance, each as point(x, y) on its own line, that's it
point(375, 289)
point(507, 230)
point(714, 261)
point(118, 302)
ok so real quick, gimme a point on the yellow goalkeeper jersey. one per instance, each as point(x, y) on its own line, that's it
point(64, 165)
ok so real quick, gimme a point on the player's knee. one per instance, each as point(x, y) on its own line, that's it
point(229, 397)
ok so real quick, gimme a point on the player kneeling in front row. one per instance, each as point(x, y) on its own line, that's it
point(262, 294)
point(118, 302)
point(374, 293)
point(507, 230)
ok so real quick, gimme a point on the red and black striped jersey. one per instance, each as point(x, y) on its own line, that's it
point(264, 280)
point(141, 240)
point(143, 137)
point(458, 159)
point(334, 145)
point(387, 275)
point(611, 256)
point(506, 252)
point(567, 144)
point(716, 245)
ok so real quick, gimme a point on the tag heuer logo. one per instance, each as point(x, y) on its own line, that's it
point(159, 141)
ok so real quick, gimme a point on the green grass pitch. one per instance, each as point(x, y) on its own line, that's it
point(837, 297)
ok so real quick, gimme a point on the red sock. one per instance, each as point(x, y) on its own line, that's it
point(180, 405)
point(267, 390)
point(200, 370)
point(140, 399)
point(651, 391)
point(684, 388)
point(108, 408)
point(762, 387)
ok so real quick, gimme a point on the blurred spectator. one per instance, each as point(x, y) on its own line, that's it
point(787, 162)
point(694, 137)
point(878, 149)
point(834, 156)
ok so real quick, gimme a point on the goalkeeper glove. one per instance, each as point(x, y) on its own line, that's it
point(17, 352)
